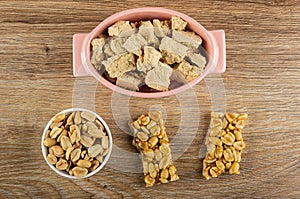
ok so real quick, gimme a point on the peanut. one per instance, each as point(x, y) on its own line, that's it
point(234, 169)
point(55, 132)
point(51, 159)
point(95, 150)
point(239, 145)
point(88, 116)
point(61, 164)
point(84, 163)
point(57, 151)
point(152, 142)
point(79, 171)
point(77, 118)
point(48, 142)
point(59, 117)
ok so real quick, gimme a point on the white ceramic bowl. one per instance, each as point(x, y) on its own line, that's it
point(63, 173)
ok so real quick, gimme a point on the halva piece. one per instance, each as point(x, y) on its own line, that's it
point(159, 77)
point(190, 39)
point(147, 31)
point(151, 52)
point(177, 23)
point(131, 80)
point(172, 49)
point(118, 65)
point(134, 43)
point(119, 27)
point(188, 71)
point(197, 60)
point(149, 59)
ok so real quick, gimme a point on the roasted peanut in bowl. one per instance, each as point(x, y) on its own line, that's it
point(149, 52)
point(76, 143)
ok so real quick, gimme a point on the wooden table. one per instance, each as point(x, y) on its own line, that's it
point(262, 79)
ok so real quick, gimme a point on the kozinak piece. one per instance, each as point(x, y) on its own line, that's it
point(224, 144)
point(151, 140)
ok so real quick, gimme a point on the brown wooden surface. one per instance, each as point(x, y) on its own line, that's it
point(262, 78)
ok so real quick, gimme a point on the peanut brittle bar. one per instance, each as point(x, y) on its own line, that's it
point(151, 140)
point(224, 144)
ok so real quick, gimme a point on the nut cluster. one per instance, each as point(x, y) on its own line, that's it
point(151, 140)
point(77, 143)
point(224, 144)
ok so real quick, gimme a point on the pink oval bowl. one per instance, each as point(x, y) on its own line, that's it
point(213, 42)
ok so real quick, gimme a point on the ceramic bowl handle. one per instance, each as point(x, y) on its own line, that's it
point(78, 68)
point(219, 36)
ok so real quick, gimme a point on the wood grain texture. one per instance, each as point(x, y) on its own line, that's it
point(262, 78)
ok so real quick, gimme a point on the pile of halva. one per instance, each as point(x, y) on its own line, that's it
point(148, 53)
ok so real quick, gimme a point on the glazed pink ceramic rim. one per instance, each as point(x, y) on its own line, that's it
point(149, 12)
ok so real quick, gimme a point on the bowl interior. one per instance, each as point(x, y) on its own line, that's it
point(62, 173)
